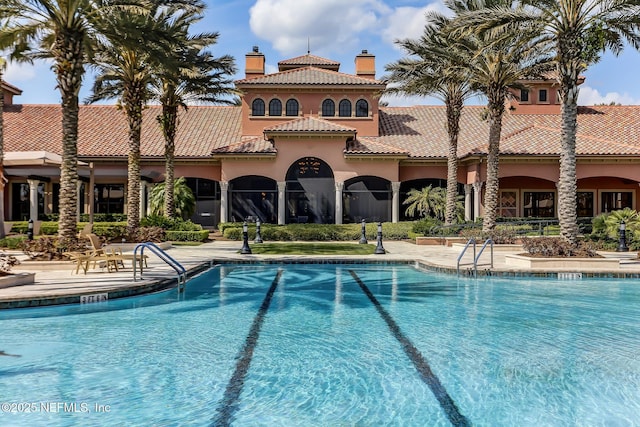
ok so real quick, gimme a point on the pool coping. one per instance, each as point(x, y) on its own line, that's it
point(119, 290)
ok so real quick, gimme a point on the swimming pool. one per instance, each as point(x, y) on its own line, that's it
point(330, 345)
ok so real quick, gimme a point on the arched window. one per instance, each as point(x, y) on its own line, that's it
point(344, 108)
point(257, 107)
point(275, 107)
point(292, 107)
point(362, 108)
point(328, 108)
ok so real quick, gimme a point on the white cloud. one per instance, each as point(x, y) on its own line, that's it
point(409, 101)
point(290, 24)
point(409, 22)
point(19, 72)
point(590, 96)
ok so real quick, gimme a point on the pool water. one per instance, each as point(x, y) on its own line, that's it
point(331, 345)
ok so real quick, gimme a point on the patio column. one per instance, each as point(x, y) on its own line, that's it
point(282, 206)
point(143, 198)
point(395, 202)
point(477, 194)
point(468, 188)
point(33, 198)
point(338, 215)
point(78, 195)
point(92, 186)
point(224, 204)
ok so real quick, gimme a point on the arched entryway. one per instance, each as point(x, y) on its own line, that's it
point(310, 192)
point(254, 197)
point(367, 197)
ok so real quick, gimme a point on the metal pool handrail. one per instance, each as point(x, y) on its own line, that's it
point(472, 240)
point(475, 257)
point(475, 260)
point(182, 273)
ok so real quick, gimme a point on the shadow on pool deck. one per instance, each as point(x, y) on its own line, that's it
point(63, 286)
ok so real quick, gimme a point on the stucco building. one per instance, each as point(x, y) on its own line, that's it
point(311, 144)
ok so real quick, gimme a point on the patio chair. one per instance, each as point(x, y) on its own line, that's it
point(99, 250)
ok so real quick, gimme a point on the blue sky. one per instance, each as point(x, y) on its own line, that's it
point(334, 29)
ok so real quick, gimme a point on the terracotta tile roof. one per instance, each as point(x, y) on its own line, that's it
point(602, 130)
point(103, 130)
point(308, 60)
point(417, 131)
point(309, 124)
point(372, 146)
point(306, 76)
point(248, 145)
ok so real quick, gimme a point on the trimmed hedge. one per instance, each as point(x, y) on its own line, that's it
point(319, 232)
point(187, 236)
point(110, 230)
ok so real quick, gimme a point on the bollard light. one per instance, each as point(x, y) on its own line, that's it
point(30, 230)
point(258, 238)
point(245, 240)
point(622, 244)
point(363, 238)
point(379, 248)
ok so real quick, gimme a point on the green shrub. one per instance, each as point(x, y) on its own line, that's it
point(556, 247)
point(426, 226)
point(319, 232)
point(174, 224)
point(12, 242)
point(187, 236)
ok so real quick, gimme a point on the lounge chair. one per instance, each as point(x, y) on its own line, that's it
point(98, 249)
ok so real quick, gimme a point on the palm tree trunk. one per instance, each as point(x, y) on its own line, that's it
point(567, 183)
point(2, 182)
point(69, 70)
point(454, 109)
point(169, 120)
point(134, 116)
point(496, 110)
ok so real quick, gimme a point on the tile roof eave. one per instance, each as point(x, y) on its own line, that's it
point(388, 156)
point(253, 156)
point(373, 85)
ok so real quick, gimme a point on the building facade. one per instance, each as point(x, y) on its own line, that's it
point(309, 144)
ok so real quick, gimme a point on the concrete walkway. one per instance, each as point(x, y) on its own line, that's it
point(59, 284)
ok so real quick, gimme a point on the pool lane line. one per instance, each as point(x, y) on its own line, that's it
point(426, 374)
point(229, 404)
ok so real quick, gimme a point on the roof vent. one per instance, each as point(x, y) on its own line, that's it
point(256, 49)
point(365, 51)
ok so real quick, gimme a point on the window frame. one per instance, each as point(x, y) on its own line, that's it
point(330, 102)
point(546, 96)
point(254, 109)
point(359, 103)
point(344, 102)
point(276, 105)
point(289, 110)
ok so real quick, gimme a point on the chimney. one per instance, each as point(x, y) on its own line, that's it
point(366, 65)
point(254, 66)
point(8, 91)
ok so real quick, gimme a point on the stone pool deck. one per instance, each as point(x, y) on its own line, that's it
point(59, 284)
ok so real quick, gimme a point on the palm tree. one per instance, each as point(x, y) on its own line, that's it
point(426, 202)
point(498, 65)
point(65, 32)
point(581, 30)
point(185, 201)
point(436, 67)
point(188, 74)
point(2, 178)
point(125, 71)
